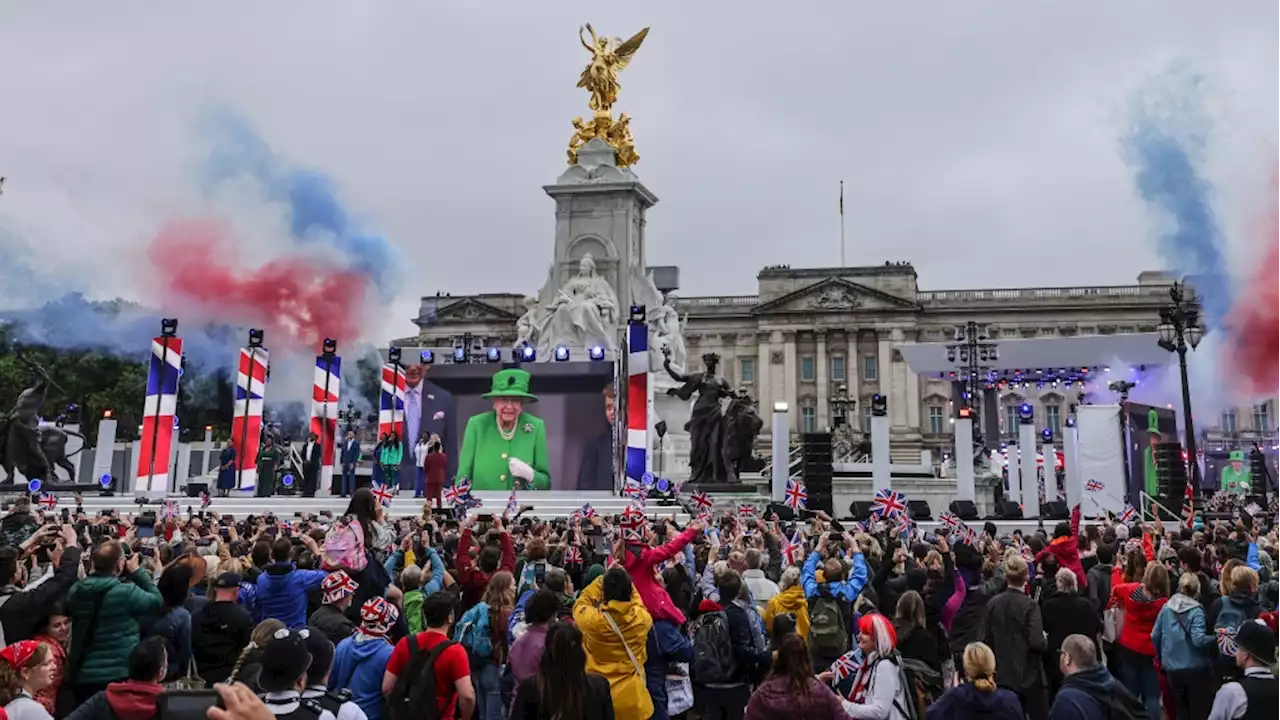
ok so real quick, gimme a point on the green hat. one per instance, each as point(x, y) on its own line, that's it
point(1153, 422)
point(1236, 456)
point(511, 383)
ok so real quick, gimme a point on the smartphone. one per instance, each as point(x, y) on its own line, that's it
point(485, 518)
point(66, 515)
point(145, 531)
point(186, 704)
point(224, 532)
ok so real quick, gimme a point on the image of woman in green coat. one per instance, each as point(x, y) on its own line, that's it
point(506, 448)
point(389, 459)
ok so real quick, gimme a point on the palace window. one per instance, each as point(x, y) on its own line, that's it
point(1011, 419)
point(935, 420)
point(866, 417)
point(837, 368)
point(747, 370)
point(808, 419)
point(870, 368)
point(1262, 417)
point(1229, 421)
point(1053, 419)
point(807, 372)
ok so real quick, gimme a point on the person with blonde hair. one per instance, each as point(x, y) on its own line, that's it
point(978, 696)
point(790, 600)
point(1238, 605)
point(1181, 646)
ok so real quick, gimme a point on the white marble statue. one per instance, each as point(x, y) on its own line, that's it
point(666, 329)
point(582, 313)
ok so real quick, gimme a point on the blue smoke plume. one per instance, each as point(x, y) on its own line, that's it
point(317, 214)
point(1164, 144)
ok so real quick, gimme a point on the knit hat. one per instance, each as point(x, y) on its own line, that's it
point(321, 650)
point(593, 572)
point(284, 660)
point(377, 616)
point(336, 586)
point(1255, 638)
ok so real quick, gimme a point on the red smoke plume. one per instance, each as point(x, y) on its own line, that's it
point(292, 299)
point(1257, 313)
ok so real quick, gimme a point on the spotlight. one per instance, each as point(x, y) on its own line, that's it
point(34, 486)
point(287, 480)
point(596, 353)
point(1047, 435)
point(879, 405)
point(459, 355)
point(107, 413)
point(168, 327)
point(329, 347)
point(393, 355)
point(105, 481)
point(428, 357)
point(637, 313)
point(255, 337)
point(951, 354)
point(526, 353)
point(1025, 413)
point(562, 353)
point(493, 355)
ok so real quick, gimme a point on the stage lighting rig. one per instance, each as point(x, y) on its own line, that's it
point(562, 353)
point(525, 353)
point(428, 357)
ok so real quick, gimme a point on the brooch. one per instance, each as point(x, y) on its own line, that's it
point(528, 427)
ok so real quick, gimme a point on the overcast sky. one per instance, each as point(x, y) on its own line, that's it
point(976, 139)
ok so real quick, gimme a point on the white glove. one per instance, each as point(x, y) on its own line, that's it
point(520, 469)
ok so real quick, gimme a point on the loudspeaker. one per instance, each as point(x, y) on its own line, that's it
point(816, 470)
point(919, 510)
point(782, 512)
point(964, 509)
point(1008, 510)
point(1171, 477)
point(195, 488)
point(1054, 510)
point(860, 510)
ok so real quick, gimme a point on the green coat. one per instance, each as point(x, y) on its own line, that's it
point(485, 453)
point(1230, 479)
point(118, 632)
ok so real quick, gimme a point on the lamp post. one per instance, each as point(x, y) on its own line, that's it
point(1180, 329)
point(971, 352)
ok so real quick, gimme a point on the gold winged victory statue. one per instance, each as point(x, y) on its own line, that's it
point(609, 56)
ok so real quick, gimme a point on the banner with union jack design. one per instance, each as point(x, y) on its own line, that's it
point(325, 393)
point(391, 402)
point(246, 418)
point(155, 446)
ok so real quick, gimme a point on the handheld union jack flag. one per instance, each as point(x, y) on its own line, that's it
point(48, 500)
point(456, 494)
point(1129, 514)
point(512, 506)
point(888, 503)
point(846, 665)
point(796, 496)
point(950, 520)
point(587, 511)
point(635, 491)
point(1094, 486)
point(967, 535)
point(905, 527)
point(382, 493)
point(205, 501)
point(171, 509)
point(747, 509)
point(793, 549)
point(1226, 641)
point(702, 501)
point(572, 556)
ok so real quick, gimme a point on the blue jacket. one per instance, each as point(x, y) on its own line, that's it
point(1079, 698)
point(847, 590)
point(351, 455)
point(282, 593)
point(665, 644)
point(358, 665)
point(1178, 648)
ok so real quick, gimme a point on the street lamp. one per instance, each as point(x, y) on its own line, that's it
point(841, 405)
point(1180, 329)
point(972, 352)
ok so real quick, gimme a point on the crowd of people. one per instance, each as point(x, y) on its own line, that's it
point(744, 615)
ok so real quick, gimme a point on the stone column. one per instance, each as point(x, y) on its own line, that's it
point(789, 373)
point(963, 436)
point(912, 382)
point(822, 373)
point(886, 379)
point(853, 378)
point(763, 375)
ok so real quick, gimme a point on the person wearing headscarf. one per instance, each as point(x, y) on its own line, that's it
point(330, 618)
point(26, 668)
point(361, 660)
point(879, 689)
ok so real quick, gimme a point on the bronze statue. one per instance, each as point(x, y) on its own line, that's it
point(609, 56)
point(741, 426)
point(706, 422)
point(20, 442)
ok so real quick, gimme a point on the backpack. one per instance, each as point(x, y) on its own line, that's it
point(1230, 617)
point(414, 695)
point(713, 659)
point(344, 546)
point(828, 635)
point(532, 576)
point(474, 633)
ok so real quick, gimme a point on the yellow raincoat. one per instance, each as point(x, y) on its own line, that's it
point(606, 655)
point(792, 601)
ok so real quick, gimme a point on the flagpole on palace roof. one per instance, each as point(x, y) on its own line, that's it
point(842, 224)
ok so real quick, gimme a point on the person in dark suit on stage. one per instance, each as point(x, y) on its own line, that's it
point(350, 457)
point(312, 458)
point(600, 457)
point(428, 410)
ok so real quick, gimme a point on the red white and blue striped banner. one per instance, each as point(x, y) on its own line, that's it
point(637, 461)
point(324, 411)
point(155, 447)
point(391, 402)
point(246, 419)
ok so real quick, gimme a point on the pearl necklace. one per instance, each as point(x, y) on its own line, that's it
point(507, 434)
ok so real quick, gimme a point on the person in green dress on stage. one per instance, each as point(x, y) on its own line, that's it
point(506, 448)
point(268, 458)
point(1235, 474)
point(1150, 474)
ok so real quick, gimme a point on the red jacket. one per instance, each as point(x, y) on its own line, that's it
point(1067, 550)
point(1140, 612)
point(640, 566)
point(472, 579)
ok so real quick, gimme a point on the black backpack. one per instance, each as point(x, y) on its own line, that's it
point(713, 660)
point(414, 695)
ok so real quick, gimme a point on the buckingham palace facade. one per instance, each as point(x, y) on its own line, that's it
point(809, 334)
